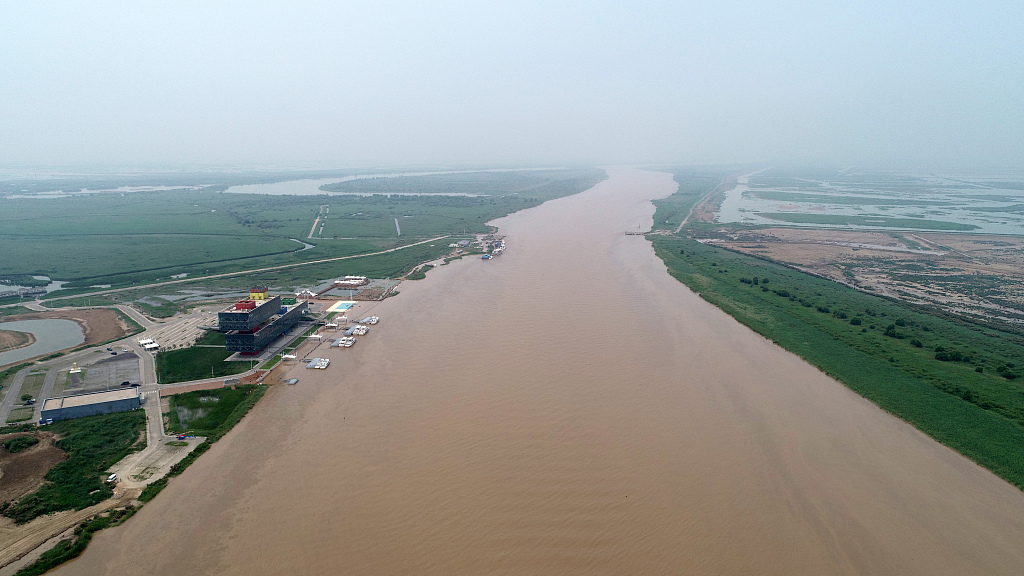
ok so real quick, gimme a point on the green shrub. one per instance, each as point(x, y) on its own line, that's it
point(15, 445)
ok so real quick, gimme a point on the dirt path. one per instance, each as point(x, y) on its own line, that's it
point(20, 540)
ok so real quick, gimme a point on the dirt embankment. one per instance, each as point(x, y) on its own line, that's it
point(708, 208)
point(23, 472)
point(99, 324)
point(11, 339)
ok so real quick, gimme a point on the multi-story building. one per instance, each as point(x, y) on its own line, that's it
point(251, 325)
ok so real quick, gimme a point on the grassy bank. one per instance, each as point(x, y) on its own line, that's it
point(957, 382)
point(252, 395)
point(14, 310)
point(195, 363)
point(240, 401)
point(92, 444)
point(670, 212)
point(71, 548)
point(203, 412)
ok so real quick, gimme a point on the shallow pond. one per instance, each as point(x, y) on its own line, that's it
point(51, 335)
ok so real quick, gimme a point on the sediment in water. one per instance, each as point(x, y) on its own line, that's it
point(569, 408)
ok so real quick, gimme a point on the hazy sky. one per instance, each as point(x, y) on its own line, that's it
point(343, 84)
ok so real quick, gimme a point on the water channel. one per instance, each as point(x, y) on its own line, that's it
point(568, 408)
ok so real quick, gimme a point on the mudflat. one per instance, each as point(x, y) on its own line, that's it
point(12, 339)
point(98, 324)
point(569, 408)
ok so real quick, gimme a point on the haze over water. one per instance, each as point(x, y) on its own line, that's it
point(569, 408)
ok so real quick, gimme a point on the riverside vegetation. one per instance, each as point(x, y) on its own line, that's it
point(155, 235)
point(240, 405)
point(92, 445)
point(956, 381)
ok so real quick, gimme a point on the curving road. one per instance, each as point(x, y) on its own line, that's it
point(230, 274)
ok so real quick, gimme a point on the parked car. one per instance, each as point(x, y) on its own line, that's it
point(109, 349)
point(136, 384)
point(113, 353)
point(126, 383)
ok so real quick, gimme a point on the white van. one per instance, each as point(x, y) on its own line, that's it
point(112, 478)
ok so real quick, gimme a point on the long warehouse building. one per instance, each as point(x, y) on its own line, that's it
point(91, 404)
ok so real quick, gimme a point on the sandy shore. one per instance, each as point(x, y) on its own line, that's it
point(12, 340)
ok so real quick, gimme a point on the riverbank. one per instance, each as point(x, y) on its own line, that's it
point(489, 430)
point(900, 359)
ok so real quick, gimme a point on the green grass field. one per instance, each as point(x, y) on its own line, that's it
point(212, 338)
point(195, 363)
point(145, 237)
point(32, 385)
point(20, 415)
point(204, 411)
point(959, 383)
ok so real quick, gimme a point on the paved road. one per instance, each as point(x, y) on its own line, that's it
point(46, 392)
point(12, 395)
point(132, 313)
point(239, 273)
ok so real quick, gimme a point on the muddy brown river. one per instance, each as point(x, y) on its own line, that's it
point(569, 408)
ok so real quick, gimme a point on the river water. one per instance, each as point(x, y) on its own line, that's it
point(568, 408)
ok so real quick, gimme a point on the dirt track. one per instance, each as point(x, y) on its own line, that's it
point(20, 540)
point(22, 473)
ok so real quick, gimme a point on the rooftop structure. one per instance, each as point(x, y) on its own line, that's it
point(351, 281)
point(248, 314)
point(256, 336)
point(319, 363)
point(91, 404)
point(259, 292)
